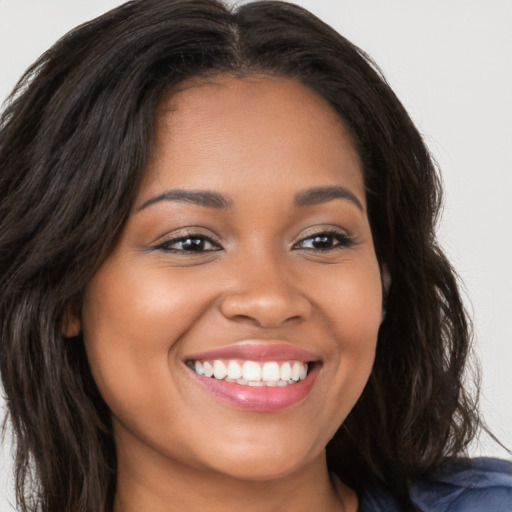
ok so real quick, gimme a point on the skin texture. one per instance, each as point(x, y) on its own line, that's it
point(258, 142)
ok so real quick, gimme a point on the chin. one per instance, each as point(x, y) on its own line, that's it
point(265, 463)
point(261, 470)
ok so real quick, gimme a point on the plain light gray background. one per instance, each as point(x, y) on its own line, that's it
point(450, 62)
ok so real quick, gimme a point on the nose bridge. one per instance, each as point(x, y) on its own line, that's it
point(263, 291)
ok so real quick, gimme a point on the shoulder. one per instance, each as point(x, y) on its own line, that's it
point(474, 485)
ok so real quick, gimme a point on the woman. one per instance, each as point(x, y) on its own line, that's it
point(220, 281)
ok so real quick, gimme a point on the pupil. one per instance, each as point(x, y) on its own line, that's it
point(193, 244)
point(322, 241)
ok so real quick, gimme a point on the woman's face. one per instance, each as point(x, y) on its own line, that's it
point(249, 254)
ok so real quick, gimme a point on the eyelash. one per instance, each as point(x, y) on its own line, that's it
point(167, 244)
point(339, 239)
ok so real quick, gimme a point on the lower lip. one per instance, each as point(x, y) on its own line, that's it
point(258, 398)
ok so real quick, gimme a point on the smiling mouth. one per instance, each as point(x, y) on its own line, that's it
point(252, 373)
point(256, 375)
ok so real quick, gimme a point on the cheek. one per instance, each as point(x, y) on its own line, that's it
point(361, 315)
point(352, 303)
point(132, 323)
point(144, 309)
point(353, 313)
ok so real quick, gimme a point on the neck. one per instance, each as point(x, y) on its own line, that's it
point(170, 486)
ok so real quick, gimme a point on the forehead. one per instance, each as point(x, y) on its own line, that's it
point(218, 132)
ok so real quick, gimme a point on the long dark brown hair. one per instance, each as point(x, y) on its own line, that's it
point(74, 141)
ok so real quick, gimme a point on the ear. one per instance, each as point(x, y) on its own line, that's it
point(71, 323)
point(386, 284)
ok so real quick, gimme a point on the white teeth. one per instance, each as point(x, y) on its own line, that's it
point(256, 383)
point(252, 373)
point(198, 367)
point(270, 372)
point(207, 369)
point(295, 371)
point(286, 371)
point(219, 369)
point(251, 370)
point(234, 370)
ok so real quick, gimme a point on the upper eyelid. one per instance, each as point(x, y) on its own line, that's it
point(184, 234)
point(198, 231)
point(319, 230)
point(332, 230)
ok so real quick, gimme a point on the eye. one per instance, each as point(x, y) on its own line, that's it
point(190, 243)
point(325, 241)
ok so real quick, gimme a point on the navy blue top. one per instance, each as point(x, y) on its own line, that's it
point(482, 485)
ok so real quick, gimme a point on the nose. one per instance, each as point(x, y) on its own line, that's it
point(264, 296)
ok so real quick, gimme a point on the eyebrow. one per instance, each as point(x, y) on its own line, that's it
point(208, 199)
point(199, 197)
point(319, 195)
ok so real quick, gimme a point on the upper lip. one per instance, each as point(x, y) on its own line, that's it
point(257, 350)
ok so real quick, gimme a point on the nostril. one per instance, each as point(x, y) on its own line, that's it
point(293, 319)
point(267, 321)
point(244, 319)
